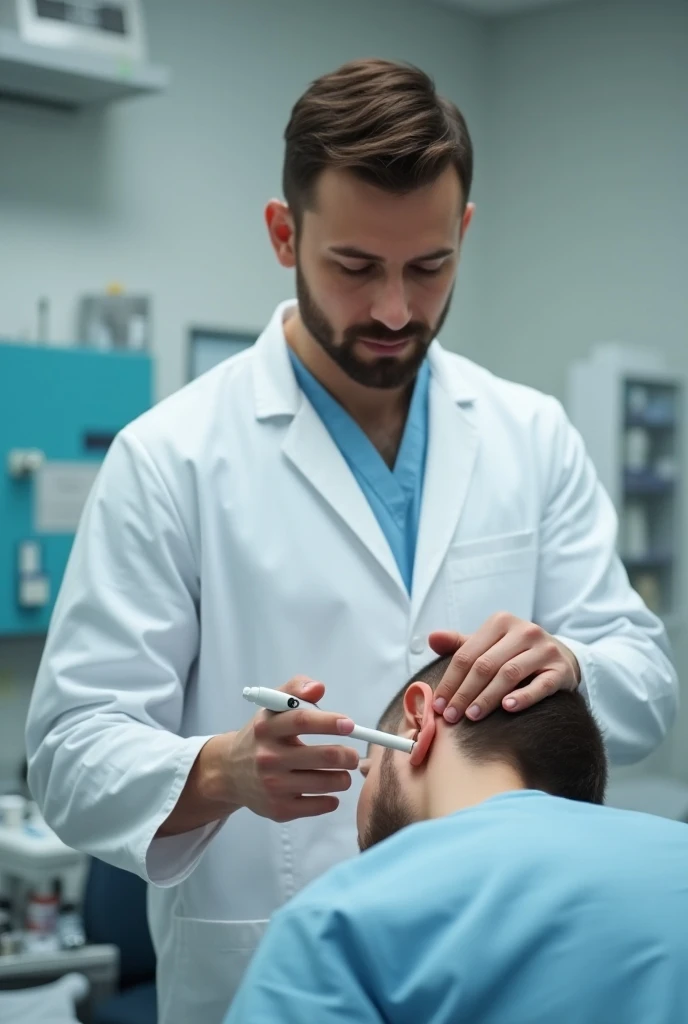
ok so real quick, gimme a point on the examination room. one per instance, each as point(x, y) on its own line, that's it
point(343, 511)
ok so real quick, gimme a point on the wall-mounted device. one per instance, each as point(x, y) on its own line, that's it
point(115, 27)
point(69, 54)
point(33, 586)
point(208, 347)
point(115, 320)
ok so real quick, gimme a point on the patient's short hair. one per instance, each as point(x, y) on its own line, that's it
point(555, 745)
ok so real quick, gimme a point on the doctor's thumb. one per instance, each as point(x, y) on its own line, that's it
point(306, 688)
point(444, 642)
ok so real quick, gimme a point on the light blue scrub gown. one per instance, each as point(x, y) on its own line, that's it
point(393, 494)
point(526, 909)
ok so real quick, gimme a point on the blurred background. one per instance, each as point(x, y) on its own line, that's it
point(133, 176)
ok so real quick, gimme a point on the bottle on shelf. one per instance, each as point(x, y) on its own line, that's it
point(42, 910)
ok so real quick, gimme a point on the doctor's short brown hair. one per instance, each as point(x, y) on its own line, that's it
point(379, 119)
point(555, 745)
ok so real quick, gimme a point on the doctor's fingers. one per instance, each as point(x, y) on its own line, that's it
point(304, 758)
point(445, 641)
point(543, 685)
point(303, 722)
point(304, 807)
point(513, 672)
point(476, 663)
point(310, 783)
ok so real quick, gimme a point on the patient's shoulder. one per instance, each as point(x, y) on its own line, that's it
point(369, 887)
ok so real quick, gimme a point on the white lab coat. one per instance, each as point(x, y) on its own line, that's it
point(226, 544)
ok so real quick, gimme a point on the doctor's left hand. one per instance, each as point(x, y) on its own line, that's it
point(488, 667)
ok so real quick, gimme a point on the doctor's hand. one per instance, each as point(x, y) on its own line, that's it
point(275, 774)
point(489, 665)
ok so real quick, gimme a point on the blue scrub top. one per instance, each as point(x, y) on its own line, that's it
point(526, 909)
point(394, 495)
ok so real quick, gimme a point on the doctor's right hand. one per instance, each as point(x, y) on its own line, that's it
point(273, 773)
point(267, 768)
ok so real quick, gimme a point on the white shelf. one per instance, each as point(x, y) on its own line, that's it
point(100, 963)
point(71, 79)
point(35, 853)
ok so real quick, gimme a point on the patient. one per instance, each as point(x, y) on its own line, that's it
point(494, 887)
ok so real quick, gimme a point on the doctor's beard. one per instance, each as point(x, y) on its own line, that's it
point(390, 811)
point(385, 372)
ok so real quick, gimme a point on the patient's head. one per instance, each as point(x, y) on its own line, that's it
point(555, 746)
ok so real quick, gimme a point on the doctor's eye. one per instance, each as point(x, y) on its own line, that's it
point(355, 271)
point(428, 270)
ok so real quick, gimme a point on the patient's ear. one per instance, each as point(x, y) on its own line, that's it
point(419, 718)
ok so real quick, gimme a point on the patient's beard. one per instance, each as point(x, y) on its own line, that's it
point(390, 812)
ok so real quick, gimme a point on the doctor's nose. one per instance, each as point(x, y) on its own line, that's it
point(391, 307)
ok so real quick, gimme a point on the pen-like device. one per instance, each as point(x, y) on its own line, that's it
point(277, 700)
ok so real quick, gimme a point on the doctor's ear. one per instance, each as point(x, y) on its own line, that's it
point(281, 230)
point(466, 219)
point(419, 719)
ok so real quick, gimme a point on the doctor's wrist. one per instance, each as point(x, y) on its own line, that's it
point(207, 796)
point(215, 781)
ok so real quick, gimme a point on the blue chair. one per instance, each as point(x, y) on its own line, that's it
point(114, 911)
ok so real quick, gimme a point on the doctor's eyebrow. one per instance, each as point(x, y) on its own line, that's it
point(352, 253)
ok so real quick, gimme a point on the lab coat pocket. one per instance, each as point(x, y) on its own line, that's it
point(212, 958)
point(490, 575)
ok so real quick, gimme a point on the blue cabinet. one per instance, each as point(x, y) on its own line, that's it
point(64, 406)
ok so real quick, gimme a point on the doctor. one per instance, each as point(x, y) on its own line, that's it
point(319, 505)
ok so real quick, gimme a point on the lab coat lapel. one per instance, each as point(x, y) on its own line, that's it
point(308, 444)
point(314, 454)
point(452, 449)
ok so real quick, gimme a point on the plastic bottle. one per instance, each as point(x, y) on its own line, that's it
point(42, 910)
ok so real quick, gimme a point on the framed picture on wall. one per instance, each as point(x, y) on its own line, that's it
point(209, 346)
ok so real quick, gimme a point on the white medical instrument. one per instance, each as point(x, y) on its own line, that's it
point(277, 700)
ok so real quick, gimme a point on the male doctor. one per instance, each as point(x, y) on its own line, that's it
point(319, 505)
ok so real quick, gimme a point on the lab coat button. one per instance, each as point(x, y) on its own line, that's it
point(417, 644)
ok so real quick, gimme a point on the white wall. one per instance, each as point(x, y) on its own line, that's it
point(166, 194)
point(587, 213)
point(587, 220)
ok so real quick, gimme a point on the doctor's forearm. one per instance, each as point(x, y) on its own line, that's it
point(206, 796)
